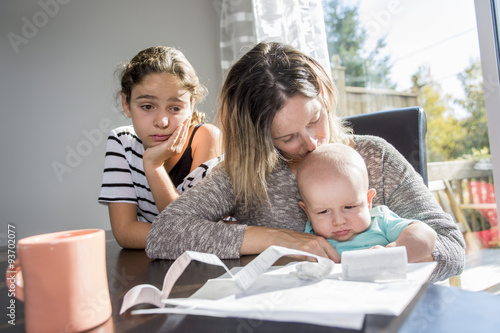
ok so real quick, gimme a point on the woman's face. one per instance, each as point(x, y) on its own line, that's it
point(300, 127)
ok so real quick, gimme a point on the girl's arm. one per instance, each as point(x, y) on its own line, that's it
point(118, 191)
point(128, 232)
point(205, 146)
point(162, 188)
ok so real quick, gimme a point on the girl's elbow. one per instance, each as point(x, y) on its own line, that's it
point(120, 237)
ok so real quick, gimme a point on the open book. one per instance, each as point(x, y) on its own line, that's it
point(319, 292)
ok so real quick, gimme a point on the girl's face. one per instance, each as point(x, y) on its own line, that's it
point(300, 127)
point(158, 104)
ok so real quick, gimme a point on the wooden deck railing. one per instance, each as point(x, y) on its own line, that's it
point(465, 190)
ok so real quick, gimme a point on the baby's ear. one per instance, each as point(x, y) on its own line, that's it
point(370, 195)
point(303, 206)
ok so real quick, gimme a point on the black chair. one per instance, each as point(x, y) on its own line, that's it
point(404, 128)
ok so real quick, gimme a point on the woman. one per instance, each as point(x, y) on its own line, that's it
point(277, 105)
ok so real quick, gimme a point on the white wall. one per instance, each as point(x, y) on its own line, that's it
point(57, 90)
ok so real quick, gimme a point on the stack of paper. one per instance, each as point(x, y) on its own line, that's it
point(305, 292)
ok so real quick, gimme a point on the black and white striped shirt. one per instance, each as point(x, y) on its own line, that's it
point(124, 179)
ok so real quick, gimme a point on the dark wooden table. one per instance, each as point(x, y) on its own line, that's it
point(435, 309)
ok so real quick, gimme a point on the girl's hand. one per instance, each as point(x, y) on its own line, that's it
point(157, 155)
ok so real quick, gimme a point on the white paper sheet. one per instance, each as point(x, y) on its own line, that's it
point(332, 294)
point(283, 294)
point(150, 294)
point(146, 293)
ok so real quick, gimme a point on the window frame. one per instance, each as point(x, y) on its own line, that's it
point(487, 28)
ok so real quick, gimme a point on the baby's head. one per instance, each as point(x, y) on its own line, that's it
point(333, 183)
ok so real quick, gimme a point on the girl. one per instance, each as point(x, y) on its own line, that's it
point(276, 105)
point(146, 163)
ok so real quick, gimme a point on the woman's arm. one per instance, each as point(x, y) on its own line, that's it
point(180, 228)
point(419, 240)
point(401, 188)
point(194, 221)
point(128, 232)
point(257, 239)
point(413, 200)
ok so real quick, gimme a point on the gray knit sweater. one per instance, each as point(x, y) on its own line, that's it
point(193, 221)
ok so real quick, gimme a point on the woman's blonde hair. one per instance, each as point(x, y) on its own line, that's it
point(158, 60)
point(256, 87)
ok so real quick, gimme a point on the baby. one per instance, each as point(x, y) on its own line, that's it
point(333, 183)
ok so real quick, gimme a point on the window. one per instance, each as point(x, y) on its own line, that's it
point(398, 53)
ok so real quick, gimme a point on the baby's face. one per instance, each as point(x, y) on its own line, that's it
point(338, 208)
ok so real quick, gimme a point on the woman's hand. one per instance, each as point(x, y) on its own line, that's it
point(157, 155)
point(257, 239)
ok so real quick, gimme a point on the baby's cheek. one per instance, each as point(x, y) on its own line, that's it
point(323, 230)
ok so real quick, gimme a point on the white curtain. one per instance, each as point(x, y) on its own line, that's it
point(299, 23)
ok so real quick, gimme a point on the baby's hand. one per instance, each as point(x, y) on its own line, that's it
point(157, 155)
point(393, 244)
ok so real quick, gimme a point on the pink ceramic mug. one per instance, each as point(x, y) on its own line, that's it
point(61, 278)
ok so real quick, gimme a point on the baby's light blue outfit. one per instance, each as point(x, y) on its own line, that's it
point(384, 229)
